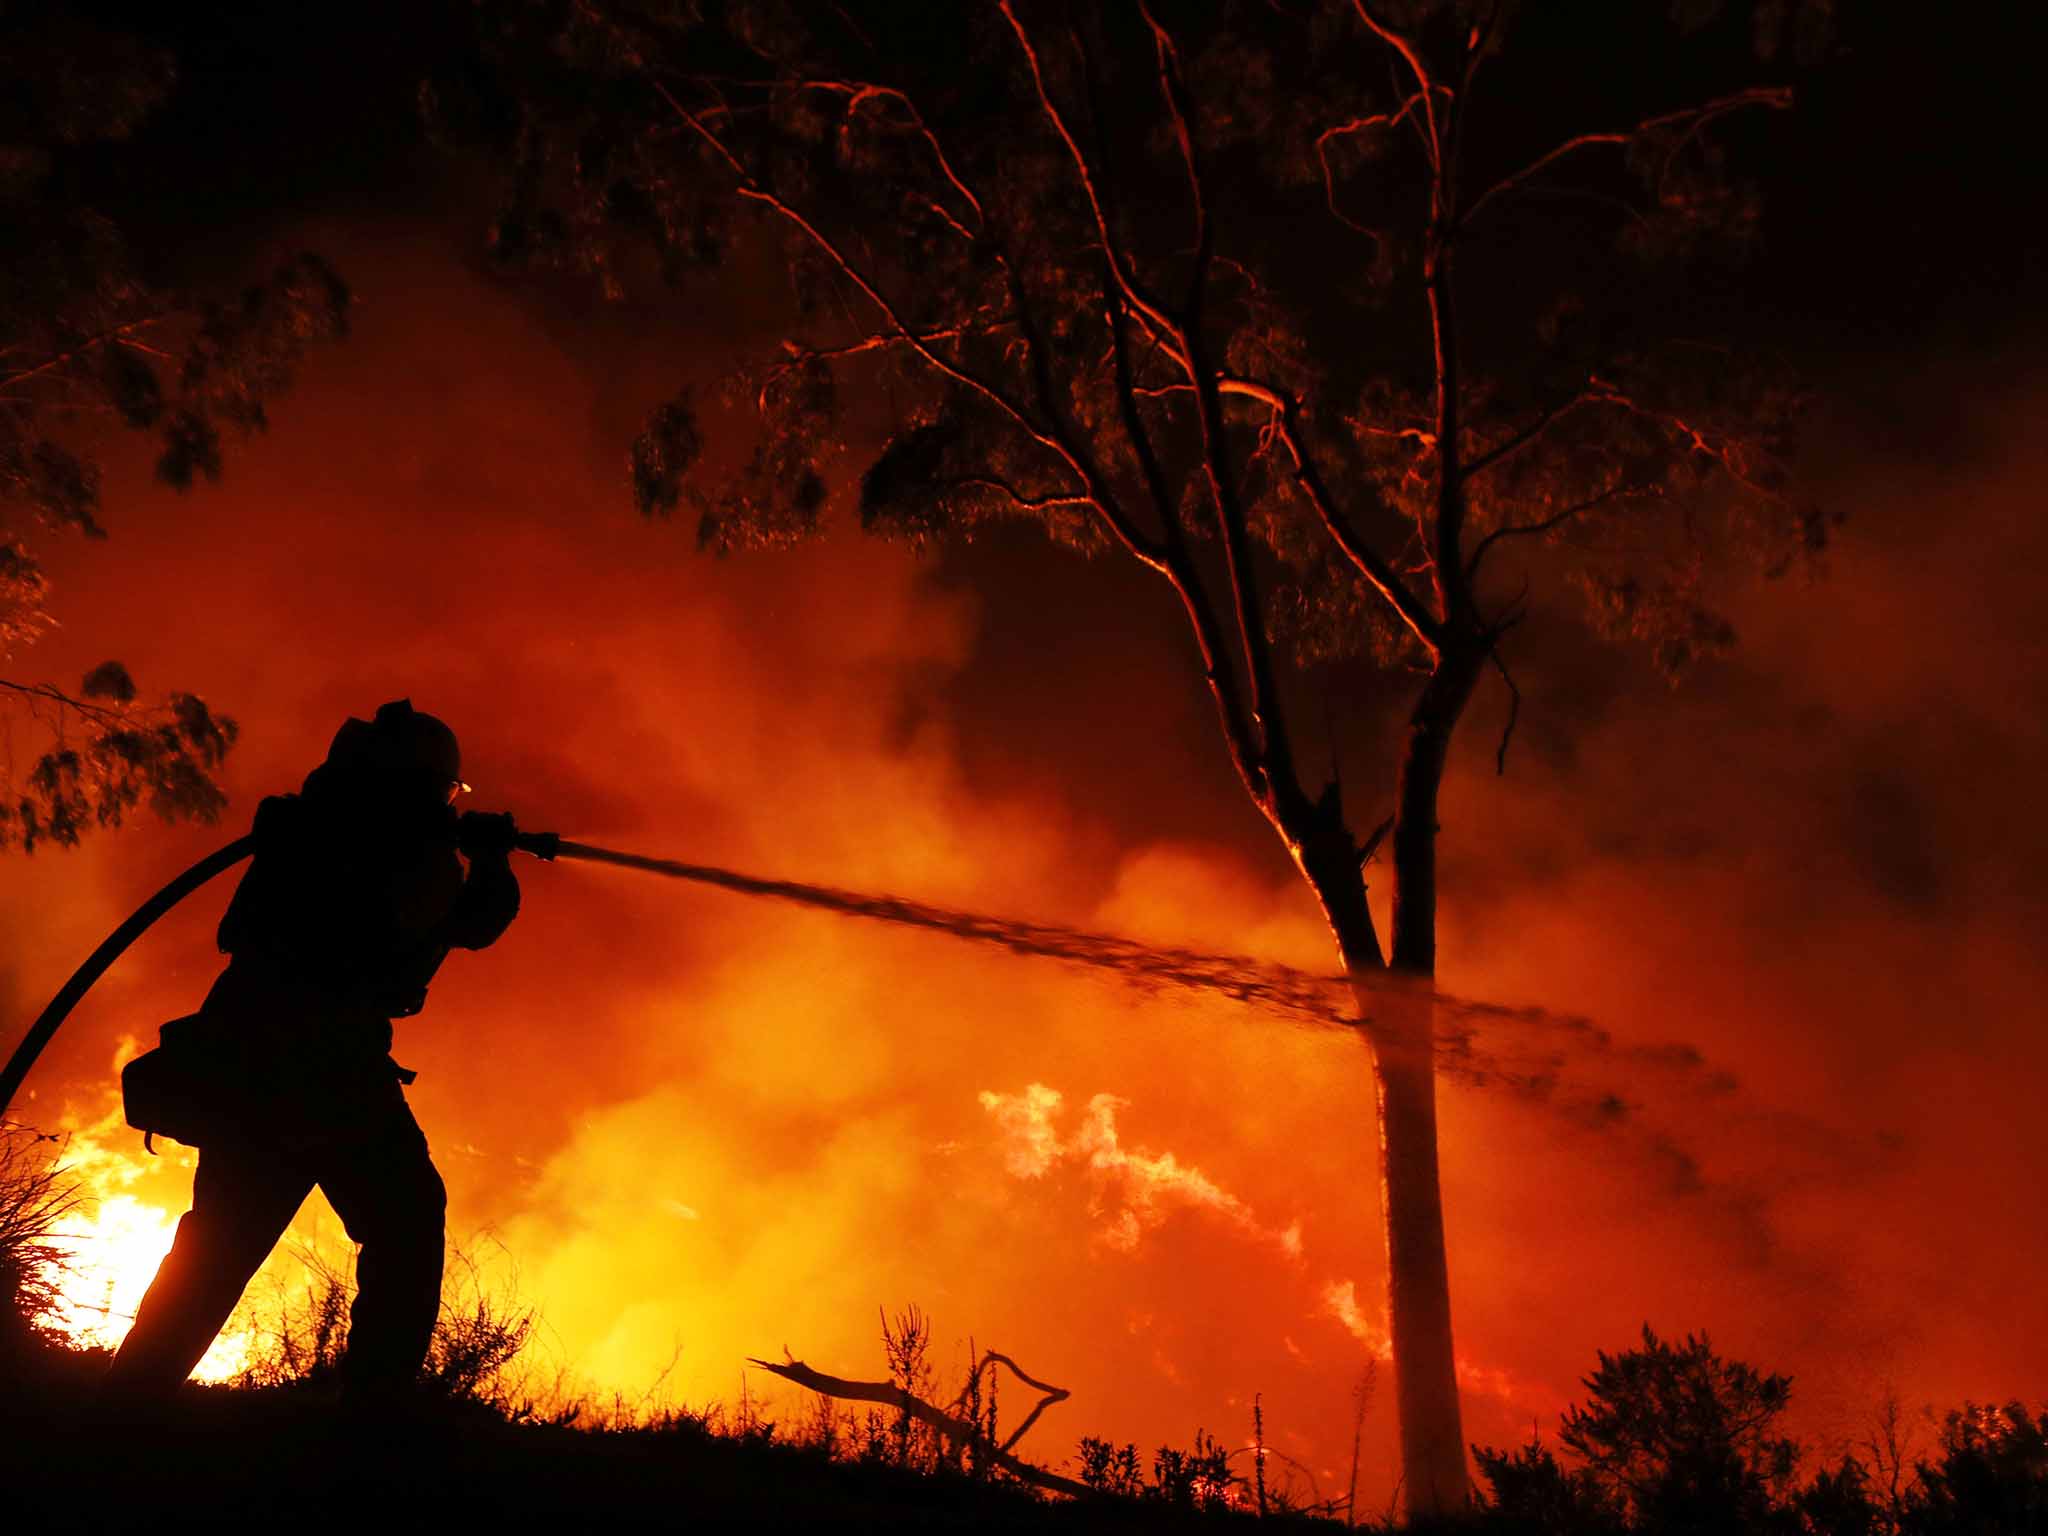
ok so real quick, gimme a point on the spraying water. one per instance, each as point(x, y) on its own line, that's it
point(1559, 1064)
point(1300, 996)
point(1282, 991)
point(1319, 1001)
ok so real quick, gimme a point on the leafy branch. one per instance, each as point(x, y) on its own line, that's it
point(106, 755)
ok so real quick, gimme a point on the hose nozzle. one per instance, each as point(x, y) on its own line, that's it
point(542, 845)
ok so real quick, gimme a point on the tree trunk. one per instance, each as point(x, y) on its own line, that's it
point(1418, 1275)
point(1411, 1201)
point(1396, 1000)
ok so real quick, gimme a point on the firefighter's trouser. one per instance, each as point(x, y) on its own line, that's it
point(380, 1180)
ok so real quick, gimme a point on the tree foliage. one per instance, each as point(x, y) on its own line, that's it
point(1178, 282)
point(985, 212)
point(1991, 1473)
point(92, 346)
point(1682, 1438)
point(107, 755)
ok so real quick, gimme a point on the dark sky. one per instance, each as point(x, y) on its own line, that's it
point(1902, 193)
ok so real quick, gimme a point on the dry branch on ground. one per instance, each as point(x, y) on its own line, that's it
point(949, 1426)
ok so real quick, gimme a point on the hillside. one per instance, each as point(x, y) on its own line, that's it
point(241, 1455)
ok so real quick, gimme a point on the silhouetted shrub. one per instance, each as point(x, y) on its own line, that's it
point(1840, 1502)
point(1533, 1493)
point(1112, 1469)
point(1991, 1477)
point(477, 1340)
point(906, 1343)
point(34, 1198)
point(1682, 1439)
point(1676, 1441)
point(1196, 1479)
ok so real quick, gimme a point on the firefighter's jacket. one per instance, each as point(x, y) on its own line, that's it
point(349, 907)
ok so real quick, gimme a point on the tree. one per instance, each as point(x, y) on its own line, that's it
point(1683, 1439)
point(89, 346)
point(1991, 1473)
point(1318, 312)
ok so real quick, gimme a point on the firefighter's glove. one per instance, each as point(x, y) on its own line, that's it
point(485, 835)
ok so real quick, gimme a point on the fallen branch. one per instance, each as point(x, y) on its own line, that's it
point(949, 1425)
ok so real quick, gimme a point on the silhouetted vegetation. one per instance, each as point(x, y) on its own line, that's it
point(1671, 1439)
point(94, 342)
point(1674, 1440)
point(476, 1356)
point(1676, 1434)
point(34, 1199)
point(1991, 1473)
point(1196, 1479)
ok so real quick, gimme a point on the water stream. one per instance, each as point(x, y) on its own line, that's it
point(1525, 1050)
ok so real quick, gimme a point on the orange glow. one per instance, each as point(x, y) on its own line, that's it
point(113, 1242)
point(705, 1128)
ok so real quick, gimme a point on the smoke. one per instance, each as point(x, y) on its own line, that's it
point(1136, 1190)
point(1820, 863)
point(1775, 931)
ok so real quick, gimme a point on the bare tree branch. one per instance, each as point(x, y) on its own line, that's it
point(952, 1427)
point(1522, 437)
point(1382, 576)
point(1619, 489)
point(1056, 441)
point(1049, 1394)
point(1721, 447)
point(795, 356)
point(1017, 498)
point(1133, 291)
point(1356, 125)
point(49, 693)
point(1072, 449)
point(1273, 752)
point(859, 93)
point(1432, 140)
point(1500, 756)
point(1777, 98)
point(1122, 296)
point(1246, 754)
point(862, 92)
point(1173, 88)
point(753, 191)
point(114, 335)
point(1056, 436)
point(946, 218)
point(1123, 300)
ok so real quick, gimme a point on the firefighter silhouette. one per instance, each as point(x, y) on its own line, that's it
point(355, 896)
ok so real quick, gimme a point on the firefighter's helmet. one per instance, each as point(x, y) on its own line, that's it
point(402, 742)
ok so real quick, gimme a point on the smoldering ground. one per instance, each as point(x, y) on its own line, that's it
point(1791, 903)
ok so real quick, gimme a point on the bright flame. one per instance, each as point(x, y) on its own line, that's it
point(115, 1239)
point(113, 1245)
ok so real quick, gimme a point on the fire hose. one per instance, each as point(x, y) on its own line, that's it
point(1300, 996)
point(543, 845)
